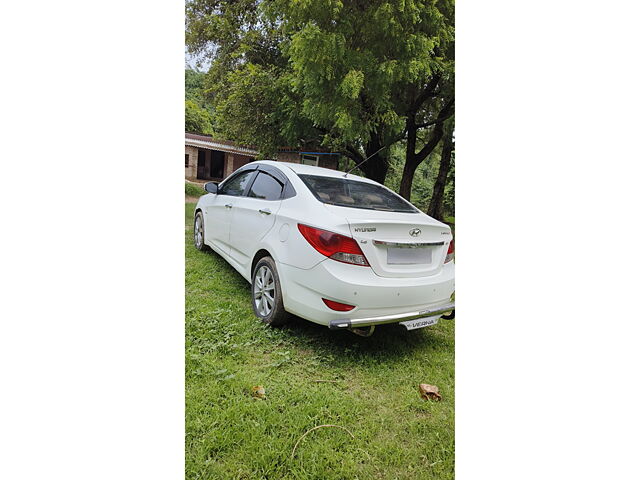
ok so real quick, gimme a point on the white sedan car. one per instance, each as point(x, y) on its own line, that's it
point(339, 250)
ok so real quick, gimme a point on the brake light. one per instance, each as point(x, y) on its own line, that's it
point(450, 253)
point(333, 245)
point(337, 306)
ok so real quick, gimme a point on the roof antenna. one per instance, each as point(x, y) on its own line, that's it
point(374, 153)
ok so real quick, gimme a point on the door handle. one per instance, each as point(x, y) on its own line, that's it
point(228, 205)
point(266, 211)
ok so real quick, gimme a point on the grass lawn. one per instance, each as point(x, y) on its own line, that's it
point(370, 387)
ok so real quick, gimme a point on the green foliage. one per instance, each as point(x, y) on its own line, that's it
point(321, 72)
point(193, 190)
point(357, 64)
point(352, 84)
point(372, 390)
point(198, 110)
point(450, 189)
point(253, 108)
point(195, 89)
point(194, 86)
point(196, 119)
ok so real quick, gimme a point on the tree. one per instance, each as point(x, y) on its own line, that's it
point(426, 104)
point(354, 76)
point(196, 119)
point(371, 74)
point(194, 87)
point(249, 81)
point(436, 206)
point(198, 112)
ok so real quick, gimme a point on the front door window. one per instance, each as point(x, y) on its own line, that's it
point(235, 186)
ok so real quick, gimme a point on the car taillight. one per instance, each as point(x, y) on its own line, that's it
point(337, 306)
point(450, 252)
point(333, 245)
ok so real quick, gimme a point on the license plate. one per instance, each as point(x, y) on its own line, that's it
point(420, 322)
point(408, 256)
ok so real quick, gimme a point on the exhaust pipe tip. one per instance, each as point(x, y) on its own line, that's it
point(450, 315)
point(363, 331)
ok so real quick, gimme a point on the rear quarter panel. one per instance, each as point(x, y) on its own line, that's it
point(285, 241)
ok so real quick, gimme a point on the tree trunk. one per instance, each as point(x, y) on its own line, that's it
point(413, 159)
point(377, 166)
point(437, 199)
point(408, 172)
point(376, 169)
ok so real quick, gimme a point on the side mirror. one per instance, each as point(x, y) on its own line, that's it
point(211, 187)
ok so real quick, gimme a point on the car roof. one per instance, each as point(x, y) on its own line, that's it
point(301, 169)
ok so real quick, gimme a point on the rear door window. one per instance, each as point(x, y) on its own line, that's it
point(352, 193)
point(266, 187)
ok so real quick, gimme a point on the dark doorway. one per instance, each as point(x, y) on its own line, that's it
point(217, 164)
point(202, 165)
point(210, 164)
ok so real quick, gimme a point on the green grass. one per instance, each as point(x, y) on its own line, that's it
point(193, 190)
point(374, 393)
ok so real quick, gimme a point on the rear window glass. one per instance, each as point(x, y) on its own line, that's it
point(351, 193)
point(266, 187)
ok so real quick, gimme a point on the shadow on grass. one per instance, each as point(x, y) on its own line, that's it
point(389, 343)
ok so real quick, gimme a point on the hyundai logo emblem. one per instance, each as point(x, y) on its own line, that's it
point(415, 232)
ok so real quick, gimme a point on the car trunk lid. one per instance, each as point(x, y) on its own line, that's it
point(398, 244)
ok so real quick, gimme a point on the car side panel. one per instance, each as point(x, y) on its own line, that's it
point(287, 241)
point(217, 221)
point(249, 226)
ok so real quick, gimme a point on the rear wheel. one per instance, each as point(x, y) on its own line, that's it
point(266, 293)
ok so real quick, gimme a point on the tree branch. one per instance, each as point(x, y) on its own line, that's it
point(446, 112)
point(353, 154)
point(426, 93)
point(436, 135)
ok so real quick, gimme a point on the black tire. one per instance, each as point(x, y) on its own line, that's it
point(272, 313)
point(198, 228)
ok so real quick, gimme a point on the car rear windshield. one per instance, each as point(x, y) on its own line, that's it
point(351, 193)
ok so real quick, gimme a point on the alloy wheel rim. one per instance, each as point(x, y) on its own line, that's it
point(198, 232)
point(264, 288)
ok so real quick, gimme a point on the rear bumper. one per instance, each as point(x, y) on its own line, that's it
point(402, 317)
point(377, 300)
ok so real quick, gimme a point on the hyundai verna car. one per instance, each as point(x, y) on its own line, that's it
point(333, 248)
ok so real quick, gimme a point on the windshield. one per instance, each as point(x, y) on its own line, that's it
point(355, 194)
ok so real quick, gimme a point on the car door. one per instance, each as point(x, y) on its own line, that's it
point(254, 215)
point(218, 212)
